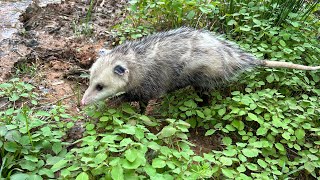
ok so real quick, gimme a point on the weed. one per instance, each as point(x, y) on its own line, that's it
point(84, 26)
point(30, 140)
point(26, 69)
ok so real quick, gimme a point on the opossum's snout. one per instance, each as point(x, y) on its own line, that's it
point(93, 93)
point(106, 84)
point(97, 91)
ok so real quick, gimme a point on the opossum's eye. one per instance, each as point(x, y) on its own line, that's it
point(120, 70)
point(99, 87)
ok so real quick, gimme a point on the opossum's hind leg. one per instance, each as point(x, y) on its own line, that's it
point(203, 93)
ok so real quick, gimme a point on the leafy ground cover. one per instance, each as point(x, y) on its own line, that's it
point(265, 125)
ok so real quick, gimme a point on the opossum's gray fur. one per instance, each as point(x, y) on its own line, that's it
point(170, 60)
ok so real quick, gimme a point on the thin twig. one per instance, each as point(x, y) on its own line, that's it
point(4, 104)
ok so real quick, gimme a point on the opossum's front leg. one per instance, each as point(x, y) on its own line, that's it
point(116, 101)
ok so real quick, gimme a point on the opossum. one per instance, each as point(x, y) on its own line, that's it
point(166, 61)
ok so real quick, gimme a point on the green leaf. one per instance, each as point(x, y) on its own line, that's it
point(82, 176)
point(13, 135)
point(276, 121)
point(14, 97)
point(53, 160)
point(43, 113)
point(31, 158)
point(190, 103)
point(153, 145)
point(286, 135)
point(309, 166)
point(210, 132)
point(104, 119)
point(245, 28)
point(5, 85)
point(282, 43)
point(241, 168)
point(46, 131)
point(117, 172)
point(125, 142)
point(195, 158)
point(19, 176)
point(313, 157)
point(3, 131)
point(225, 161)
point(280, 147)
point(238, 124)
point(167, 132)
point(252, 116)
point(252, 167)
point(128, 130)
point(295, 23)
point(158, 163)
point(28, 165)
point(11, 146)
point(257, 22)
point(57, 147)
point(229, 152)
point(89, 127)
point(227, 141)
point(250, 152)
point(262, 163)
point(128, 110)
point(228, 172)
point(262, 131)
point(232, 22)
point(190, 15)
point(270, 78)
point(47, 172)
point(100, 158)
point(300, 133)
point(297, 147)
point(222, 111)
point(59, 165)
point(131, 155)
point(135, 164)
point(150, 170)
point(200, 114)
point(34, 177)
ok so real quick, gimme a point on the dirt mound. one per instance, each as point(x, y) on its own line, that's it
point(59, 42)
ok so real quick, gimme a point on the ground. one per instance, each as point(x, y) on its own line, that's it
point(54, 49)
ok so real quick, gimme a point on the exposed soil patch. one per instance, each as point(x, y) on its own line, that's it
point(53, 43)
point(204, 144)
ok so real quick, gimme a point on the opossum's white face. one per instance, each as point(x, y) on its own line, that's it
point(107, 78)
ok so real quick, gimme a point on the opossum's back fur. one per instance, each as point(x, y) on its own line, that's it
point(170, 60)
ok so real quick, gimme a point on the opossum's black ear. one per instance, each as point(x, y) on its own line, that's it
point(120, 70)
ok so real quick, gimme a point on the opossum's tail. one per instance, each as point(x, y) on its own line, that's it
point(280, 64)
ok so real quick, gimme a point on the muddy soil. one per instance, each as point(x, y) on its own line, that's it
point(59, 45)
point(55, 48)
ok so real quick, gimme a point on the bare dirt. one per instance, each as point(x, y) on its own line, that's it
point(53, 44)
